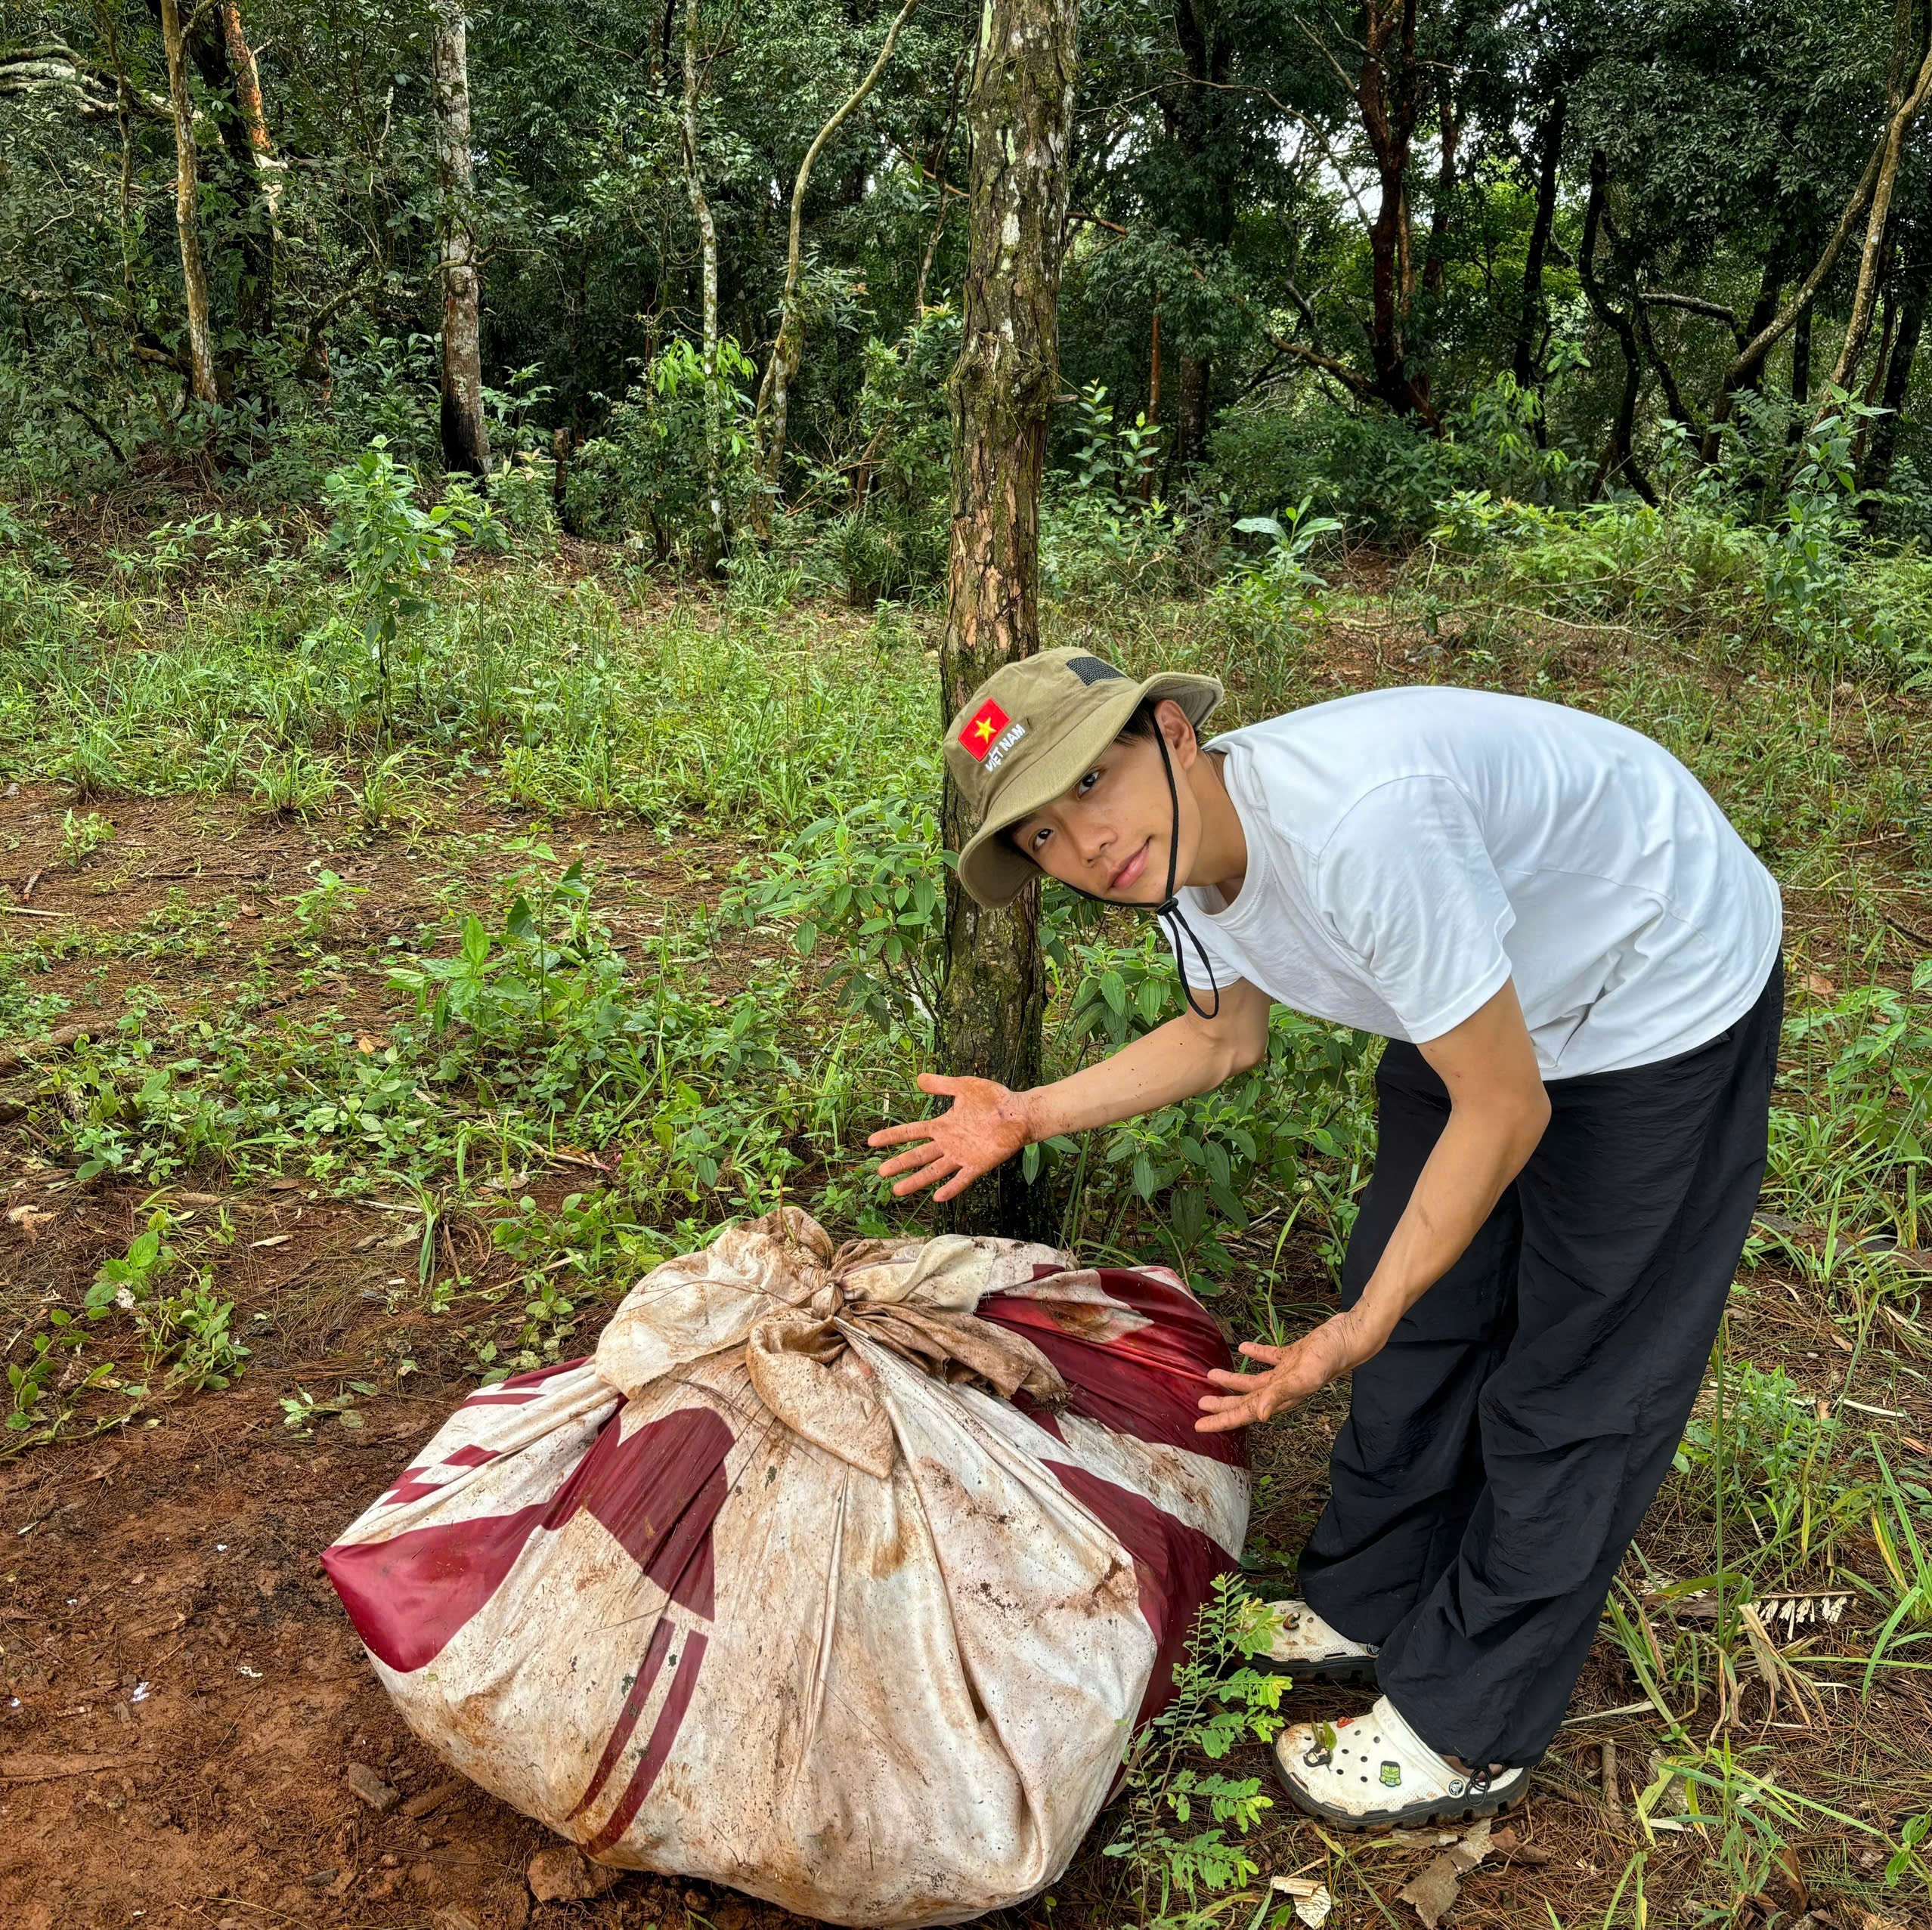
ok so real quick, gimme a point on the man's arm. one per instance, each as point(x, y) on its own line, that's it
point(1497, 1112)
point(987, 1123)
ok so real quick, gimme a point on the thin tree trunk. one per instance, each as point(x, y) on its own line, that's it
point(246, 78)
point(1770, 286)
point(1801, 359)
point(1754, 351)
point(1194, 386)
point(938, 173)
point(717, 539)
point(1549, 143)
point(465, 435)
point(1449, 134)
point(1388, 91)
point(1880, 374)
point(782, 367)
point(1621, 461)
point(1020, 117)
point(1871, 259)
point(1898, 386)
point(1153, 394)
point(194, 276)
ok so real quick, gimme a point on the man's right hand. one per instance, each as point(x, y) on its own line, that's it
point(985, 1124)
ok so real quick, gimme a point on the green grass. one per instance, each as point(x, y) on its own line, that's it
point(642, 890)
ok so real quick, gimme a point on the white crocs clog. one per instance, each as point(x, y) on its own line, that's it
point(1306, 1647)
point(1374, 1772)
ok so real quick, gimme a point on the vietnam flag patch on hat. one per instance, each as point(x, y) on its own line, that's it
point(988, 722)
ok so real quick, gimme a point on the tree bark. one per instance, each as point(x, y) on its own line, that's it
point(245, 77)
point(1549, 153)
point(1449, 132)
point(465, 435)
point(1388, 90)
point(218, 57)
point(937, 170)
point(1801, 359)
point(1020, 116)
point(1872, 257)
point(1194, 386)
point(1754, 351)
point(782, 367)
point(1898, 386)
point(187, 189)
point(1620, 459)
point(717, 539)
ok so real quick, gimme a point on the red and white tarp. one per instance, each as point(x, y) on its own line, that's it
point(843, 1577)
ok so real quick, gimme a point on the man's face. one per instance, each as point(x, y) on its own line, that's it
point(1110, 834)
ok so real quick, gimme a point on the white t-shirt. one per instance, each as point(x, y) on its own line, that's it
point(1409, 850)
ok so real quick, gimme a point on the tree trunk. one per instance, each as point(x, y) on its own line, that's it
point(782, 368)
point(937, 170)
point(1153, 394)
point(717, 539)
point(1450, 133)
point(1770, 286)
point(466, 436)
point(1389, 91)
point(1194, 383)
point(1550, 154)
point(1871, 258)
point(1884, 156)
point(1020, 116)
point(1201, 208)
point(1801, 359)
point(1898, 386)
point(245, 78)
point(187, 189)
point(1620, 460)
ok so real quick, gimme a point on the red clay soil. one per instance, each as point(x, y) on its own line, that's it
point(187, 1711)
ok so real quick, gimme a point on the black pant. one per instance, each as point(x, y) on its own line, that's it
point(1500, 1450)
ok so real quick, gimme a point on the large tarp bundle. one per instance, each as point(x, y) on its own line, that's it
point(843, 1577)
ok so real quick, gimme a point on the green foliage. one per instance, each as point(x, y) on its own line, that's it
point(1220, 1704)
point(884, 495)
point(318, 909)
point(1779, 1462)
point(81, 837)
point(1104, 531)
point(868, 881)
point(1289, 1135)
point(389, 545)
point(645, 478)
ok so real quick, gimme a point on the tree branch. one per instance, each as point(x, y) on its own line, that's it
point(1692, 305)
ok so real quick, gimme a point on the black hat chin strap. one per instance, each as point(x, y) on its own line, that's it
point(1169, 911)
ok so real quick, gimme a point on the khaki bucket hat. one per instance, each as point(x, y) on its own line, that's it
point(1029, 733)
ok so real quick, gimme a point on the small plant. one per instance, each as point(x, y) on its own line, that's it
point(81, 837)
point(128, 1280)
point(52, 1372)
point(302, 1413)
point(1279, 587)
point(1219, 1701)
point(194, 1328)
point(294, 784)
point(471, 512)
point(317, 908)
point(380, 796)
point(389, 545)
point(868, 880)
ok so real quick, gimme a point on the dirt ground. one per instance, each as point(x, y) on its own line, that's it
point(189, 1733)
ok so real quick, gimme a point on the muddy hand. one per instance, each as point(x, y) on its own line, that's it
point(985, 1124)
point(1293, 1374)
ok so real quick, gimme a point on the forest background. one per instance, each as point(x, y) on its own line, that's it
point(496, 504)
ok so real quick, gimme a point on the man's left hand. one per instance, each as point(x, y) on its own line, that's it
point(1294, 1373)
